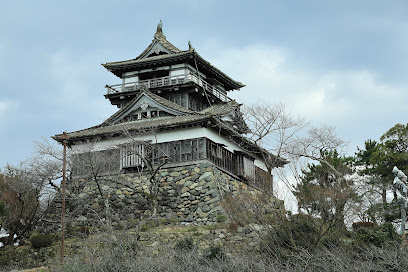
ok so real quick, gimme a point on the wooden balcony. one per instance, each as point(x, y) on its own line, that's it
point(168, 81)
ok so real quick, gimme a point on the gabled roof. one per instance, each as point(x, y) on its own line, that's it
point(159, 42)
point(171, 55)
point(166, 104)
point(185, 116)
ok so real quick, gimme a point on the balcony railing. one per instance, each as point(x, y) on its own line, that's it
point(168, 81)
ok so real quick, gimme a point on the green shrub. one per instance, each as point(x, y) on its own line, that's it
point(221, 218)
point(303, 229)
point(378, 235)
point(296, 232)
point(215, 252)
point(187, 243)
point(42, 240)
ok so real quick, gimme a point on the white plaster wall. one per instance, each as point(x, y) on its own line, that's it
point(180, 72)
point(161, 137)
point(165, 136)
point(175, 66)
point(130, 79)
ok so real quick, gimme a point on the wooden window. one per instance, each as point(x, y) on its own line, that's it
point(180, 99)
point(245, 166)
point(179, 151)
point(132, 155)
point(219, 155)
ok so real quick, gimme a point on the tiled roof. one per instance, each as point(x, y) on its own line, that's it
point(166, 44)
point(164, 102)
point(168, 103)
point(116, 66)
point(150, 123)
point(119, 64)
point(221, 108)
point(189, 116)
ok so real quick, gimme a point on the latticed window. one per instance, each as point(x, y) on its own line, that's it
point(132, 155)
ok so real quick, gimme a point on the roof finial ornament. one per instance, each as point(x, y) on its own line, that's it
point(190, 47)
point(159, 31)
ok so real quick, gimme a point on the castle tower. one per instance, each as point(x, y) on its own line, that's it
point(177, 102)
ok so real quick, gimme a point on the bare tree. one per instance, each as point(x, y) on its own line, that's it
point(272, 129)
point(282, 136)
point(25, 197)
point(91, 164)
point(314, 144)
point(136, 151)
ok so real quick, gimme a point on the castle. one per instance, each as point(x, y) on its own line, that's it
point(176, 119)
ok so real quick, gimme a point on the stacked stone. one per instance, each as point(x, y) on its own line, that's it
point(188, 194)
point(246, 238)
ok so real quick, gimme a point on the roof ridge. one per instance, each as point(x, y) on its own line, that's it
point(128, 105)
point(160, 38)
point(161, 100)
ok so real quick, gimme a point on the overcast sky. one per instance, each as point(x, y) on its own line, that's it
point(343, 63)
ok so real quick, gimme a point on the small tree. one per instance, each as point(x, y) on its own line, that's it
point(24, 200)
point(377, 160)
point(323, 194)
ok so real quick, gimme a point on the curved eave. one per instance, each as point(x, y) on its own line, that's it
point(235, 84)
point(117, 68)
point(134, 126)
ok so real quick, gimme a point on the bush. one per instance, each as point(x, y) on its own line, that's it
point(377, 235)
point(146, 259)
point(215, 252)
point(42, 240)
point(301, 228)
point(299, 232)
point(186, 243)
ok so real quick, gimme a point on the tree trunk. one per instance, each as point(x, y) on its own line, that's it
point(107, 214)
point(155, 204)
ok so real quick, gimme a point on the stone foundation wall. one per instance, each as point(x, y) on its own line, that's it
point(242, 239)
point(188, 195)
